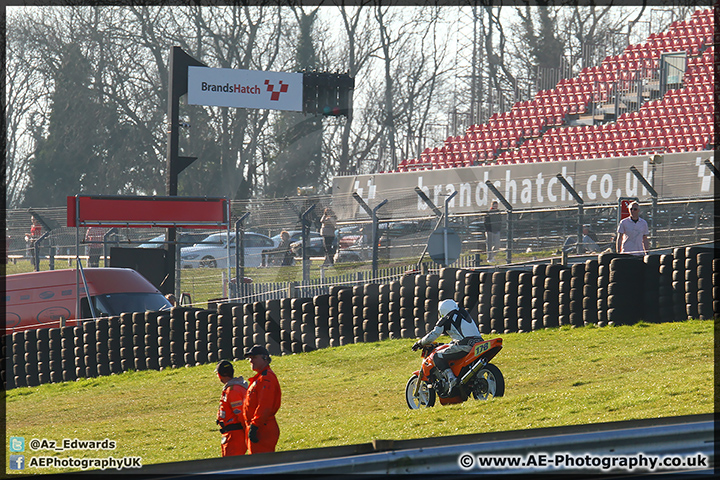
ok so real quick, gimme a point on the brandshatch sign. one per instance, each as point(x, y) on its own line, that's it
point(526, 186)
point(226, 87)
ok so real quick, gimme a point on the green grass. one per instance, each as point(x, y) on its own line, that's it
point(355, 393)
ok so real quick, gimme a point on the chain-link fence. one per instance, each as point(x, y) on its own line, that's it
point(402, 241)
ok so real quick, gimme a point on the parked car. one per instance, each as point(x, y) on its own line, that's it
point(182, 238)
point(316, 246)
point(295, 236)
point(212, 251)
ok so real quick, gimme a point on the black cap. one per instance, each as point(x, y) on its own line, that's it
point(257, 350)
point(225, 368)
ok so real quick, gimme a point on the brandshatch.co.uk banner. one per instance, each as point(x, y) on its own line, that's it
point(526, 186)
point(227, 87)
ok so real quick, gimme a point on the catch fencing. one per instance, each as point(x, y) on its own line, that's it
point(610, 289)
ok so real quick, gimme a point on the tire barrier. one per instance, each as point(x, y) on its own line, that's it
point(617, 289)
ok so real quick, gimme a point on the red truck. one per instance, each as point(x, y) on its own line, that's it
point(47, 299)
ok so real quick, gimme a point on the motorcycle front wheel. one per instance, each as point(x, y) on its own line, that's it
point(425, 398)
point(488, 383)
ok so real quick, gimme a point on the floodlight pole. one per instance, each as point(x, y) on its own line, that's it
point(581, 213)
point(654, 195)
point(509, 209)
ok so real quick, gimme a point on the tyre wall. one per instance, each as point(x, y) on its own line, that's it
point(612, 289)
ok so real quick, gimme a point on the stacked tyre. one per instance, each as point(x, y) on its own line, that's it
point(102, 352)
point(538, 289)
point(67, 357)
point(551, 296)
point(18, 357)
point(651, 289)
point(384, 312)
point(524, 302)
point(55, 353)
point(307, 328)
point(665, 298)
point(497, 297)
point(407, 306)
point(590, 291)
point(432, 294)
point(678, 284)
point(625, 293)
point(31, 358)
point(691, 282)
point(150, 343)
point(394, 314)
point(510, 301)
point(484, 301)
point(716, 286)
point(603, 282)
point(322, 322)
point(577, 282)
point(471, 293)
point(705, 285)
point(420, 289)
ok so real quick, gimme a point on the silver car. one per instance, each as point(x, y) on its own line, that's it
point(212, 251)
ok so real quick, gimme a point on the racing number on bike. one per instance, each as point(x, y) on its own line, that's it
point(481, 347)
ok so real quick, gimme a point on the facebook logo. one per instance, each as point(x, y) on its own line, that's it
point(17, 444)
point(17, 462)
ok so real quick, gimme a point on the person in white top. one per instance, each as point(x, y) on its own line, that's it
point(462, 329)
point(632, 233)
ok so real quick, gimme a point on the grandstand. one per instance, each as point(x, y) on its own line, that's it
point(656, 97)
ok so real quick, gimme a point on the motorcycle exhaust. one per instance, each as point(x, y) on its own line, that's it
point(473, 370)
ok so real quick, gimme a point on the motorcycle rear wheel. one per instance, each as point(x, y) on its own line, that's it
point(489, 383)
point(425, 398)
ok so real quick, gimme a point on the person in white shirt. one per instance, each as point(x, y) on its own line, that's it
point(632, 233)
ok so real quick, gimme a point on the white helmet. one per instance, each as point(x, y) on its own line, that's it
point(447, 306)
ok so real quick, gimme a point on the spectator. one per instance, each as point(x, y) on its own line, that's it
point(32, 237)
point(492, 230)
point(94, 236)
point(633, 233)
point(262, 403)
point(590, 241)
point(171, 298)
point(282, 250)
point(328, 222)
point(230, 417)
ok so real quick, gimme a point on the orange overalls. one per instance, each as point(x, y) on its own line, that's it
point(261, 404)
point(231, 419)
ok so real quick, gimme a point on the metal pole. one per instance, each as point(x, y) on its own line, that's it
point(77, 259)
point(112, 231)
point(374, 231)
point(445, 227)
point(509, 209)
point(654, 194)
point(240, 261)
point(439, 213)
point(581, 212)
point(306, 234)
point(375, 239)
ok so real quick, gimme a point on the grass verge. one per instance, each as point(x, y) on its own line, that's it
point(355, 393)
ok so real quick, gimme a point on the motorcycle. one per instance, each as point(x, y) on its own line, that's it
point(476, 376)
